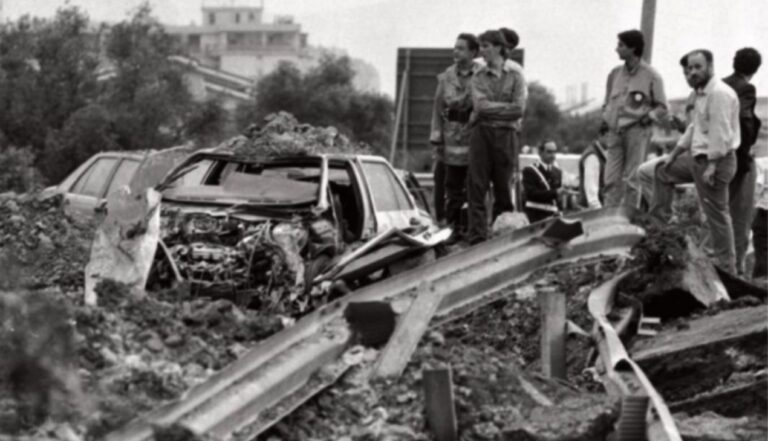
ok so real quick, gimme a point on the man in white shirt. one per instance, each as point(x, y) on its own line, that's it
point(591, 169)
point(705, 155)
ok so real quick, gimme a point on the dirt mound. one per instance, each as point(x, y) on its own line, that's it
point(126, 356)
point(39, 244)
point(282, 134)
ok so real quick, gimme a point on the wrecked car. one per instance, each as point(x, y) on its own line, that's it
point(261, 229)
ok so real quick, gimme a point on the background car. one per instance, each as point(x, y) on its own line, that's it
point(86, 188)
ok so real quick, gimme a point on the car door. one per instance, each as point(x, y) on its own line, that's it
point(124, 174)
point(90, 187)
point(392, 205)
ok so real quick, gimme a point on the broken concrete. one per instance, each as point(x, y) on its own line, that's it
point(713, 427)
point(684, 362)
point(675, 280)
point(588, 417)
point(731, 400)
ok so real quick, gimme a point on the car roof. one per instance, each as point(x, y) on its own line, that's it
point(218, 152)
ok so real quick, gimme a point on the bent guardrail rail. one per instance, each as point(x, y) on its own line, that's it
point(624, 378)
point(273, 378)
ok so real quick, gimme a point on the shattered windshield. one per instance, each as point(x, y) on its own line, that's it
point(228, 181)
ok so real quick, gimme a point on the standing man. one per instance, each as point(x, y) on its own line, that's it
point(513, 40)
point(450, 126)
point(498, 102)
point(742, 187)
point(542, 183)
point(634, 99)
point(706, 153)
point(591, 172)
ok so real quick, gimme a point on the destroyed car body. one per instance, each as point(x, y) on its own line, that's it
point(262, 229)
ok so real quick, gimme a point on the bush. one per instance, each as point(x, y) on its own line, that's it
point(17, 172)
point(86, 132)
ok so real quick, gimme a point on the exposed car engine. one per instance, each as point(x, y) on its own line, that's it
point(250, 257)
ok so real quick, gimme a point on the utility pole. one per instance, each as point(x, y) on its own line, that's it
point(646, 27)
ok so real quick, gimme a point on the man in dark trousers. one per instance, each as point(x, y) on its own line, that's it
point(542, 183)
point(742, 188)
point(498, 101)
point(591, 170)
point(450, 128)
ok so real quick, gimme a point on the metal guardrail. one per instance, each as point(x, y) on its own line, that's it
point(624, 378)
point(276, 376)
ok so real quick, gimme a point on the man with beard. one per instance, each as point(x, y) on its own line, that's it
point(646, 173)
point(450, 130)
point(705, 154)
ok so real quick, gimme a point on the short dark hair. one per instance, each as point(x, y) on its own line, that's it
point(545, 142)
point(512, 38)
point(707, 55)
point(634, 39)
point(471, 40)
point(746, 61)
point(495, 38)
point(684, 61)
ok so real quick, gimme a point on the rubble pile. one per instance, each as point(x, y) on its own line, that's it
point(282, 134)
point(493, 354)
point(130, 355)
point(39, 244)
point(140, 353)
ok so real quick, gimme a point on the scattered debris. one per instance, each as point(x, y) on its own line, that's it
point(710, 426)
point(40, 245)
point(714, 347)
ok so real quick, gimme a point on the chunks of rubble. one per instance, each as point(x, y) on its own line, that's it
point(710, 426)
point(283, 135)
point(39, 244)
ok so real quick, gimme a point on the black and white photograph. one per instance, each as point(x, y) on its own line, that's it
point(383, 220)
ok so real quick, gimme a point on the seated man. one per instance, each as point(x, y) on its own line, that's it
point(542, 184)
point(591, 169)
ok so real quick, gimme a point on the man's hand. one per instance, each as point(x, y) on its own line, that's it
point(668, 160)
point(709, 174)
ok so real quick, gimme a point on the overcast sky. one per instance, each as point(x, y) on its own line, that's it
point(566, 41)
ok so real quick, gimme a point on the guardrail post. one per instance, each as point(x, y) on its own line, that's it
point(553, 328)
point(438, 399)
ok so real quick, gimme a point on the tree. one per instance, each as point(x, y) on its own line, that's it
point(323, 96)
point(147, 96)
point(578, 131)
point(87, 132)
point(542, 115)
point(47, 72)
